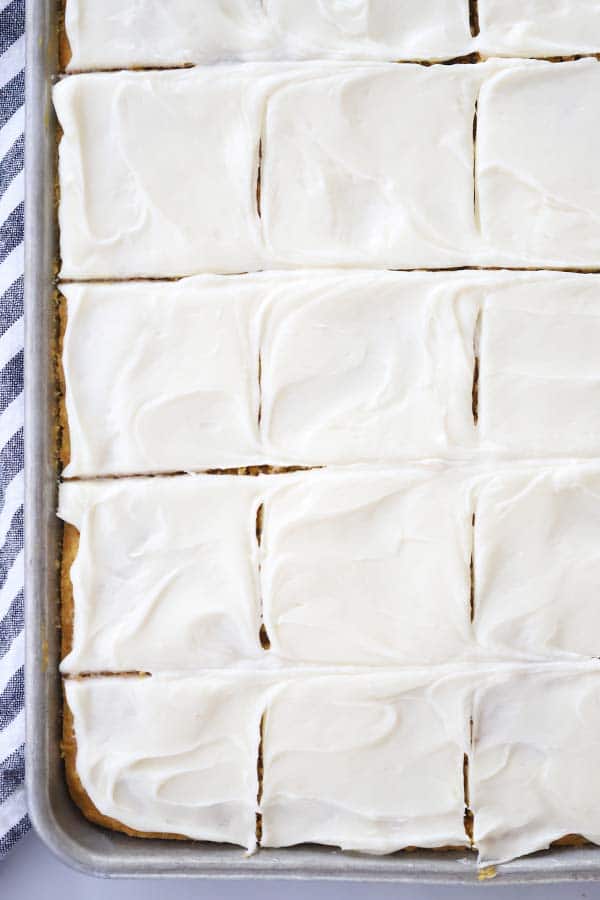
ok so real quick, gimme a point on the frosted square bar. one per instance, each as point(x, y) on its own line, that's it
point(361, 367)
point(371, 763)
point(354, 163)
point(539, 368)
point(165, 575)
point(538, 27)
point(538, 134)
point(368, 569)
point(533, 769)
point(537, 566)
point(179, 194)
point(161, 377)
point(167, 755)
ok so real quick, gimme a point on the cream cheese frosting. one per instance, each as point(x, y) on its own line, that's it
point(171, 754)
point(240, 167)
point(371, 763)
point(179, 194)
point(125, 33)
point(537, 565)
point(367, 367)
point(345, 179)
point(330, 367)
point(174, 380)
point(368, 568)
point(539, 371)
point(353, 166)
point(120, 34)
point(352, 568)
point(533, 769)
point(166, 573)
point(538, 27)
point(183, 198)
point(537, 190)
point(353, 367)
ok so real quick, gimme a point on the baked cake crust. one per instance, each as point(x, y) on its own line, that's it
point(63, 434)
point(70, 546)
point(64, 47)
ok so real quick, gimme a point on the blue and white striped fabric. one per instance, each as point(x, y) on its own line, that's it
point(13, 814)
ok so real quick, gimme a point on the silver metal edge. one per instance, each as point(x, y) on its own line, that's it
point(56, 819)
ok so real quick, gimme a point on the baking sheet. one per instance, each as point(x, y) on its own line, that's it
point(54, 815)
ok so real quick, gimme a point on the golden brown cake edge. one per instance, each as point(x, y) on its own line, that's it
point(63, 434)
point(64, 46)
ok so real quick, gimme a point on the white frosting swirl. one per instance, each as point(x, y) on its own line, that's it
point(537, 564)
point(538, 195)
point(360, 367)
point(533, 769)
point(123, 33)
point(331, 743)
point(171, 754)
point(538, 27)
point(357, 367)
point(372, 763)
point(166, 575)
point(174, 381)
point(368, 568)
point(539, 370)
point(345, 179)
point(169, 574)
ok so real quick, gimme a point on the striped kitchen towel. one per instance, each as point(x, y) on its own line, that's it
point(13, 815)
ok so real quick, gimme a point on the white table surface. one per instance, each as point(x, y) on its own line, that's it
point(30, 872)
